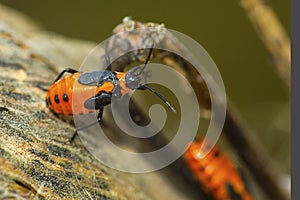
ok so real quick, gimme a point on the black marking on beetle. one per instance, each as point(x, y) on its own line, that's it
point(97, 78)
point(98, 101)
point(217, 154)
point(65, 97)
point(56, 98)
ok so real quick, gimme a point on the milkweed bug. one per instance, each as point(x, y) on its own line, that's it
point(217, 174)
point(94, 90)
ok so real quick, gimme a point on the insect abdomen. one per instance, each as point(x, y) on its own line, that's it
point(59, 96)
point(216, 172)
point(67, 96)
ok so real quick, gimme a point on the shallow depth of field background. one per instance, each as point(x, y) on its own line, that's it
point(221, 27)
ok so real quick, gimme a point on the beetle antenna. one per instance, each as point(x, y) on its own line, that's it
point(147, 60)
point(160, 96)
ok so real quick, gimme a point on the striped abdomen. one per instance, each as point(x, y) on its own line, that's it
point(67, 96)
point(216, 173)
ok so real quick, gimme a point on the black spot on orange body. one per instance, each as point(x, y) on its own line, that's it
point(56, 98)
point(63, 86)
point(67, 96)
point(217, 153)
point(215, 172)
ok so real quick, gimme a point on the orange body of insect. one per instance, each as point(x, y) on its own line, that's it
point(67, 96)
point(216, 173)
point(85, 92)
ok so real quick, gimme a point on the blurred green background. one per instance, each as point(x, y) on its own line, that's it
point(221, 27)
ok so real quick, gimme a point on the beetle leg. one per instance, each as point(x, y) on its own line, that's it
point(232, 193)
point(100, 114)
point(93, 103)
point(69, 70)
point(99, 118)
point(73, 136)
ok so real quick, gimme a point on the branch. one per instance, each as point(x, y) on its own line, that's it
point(272, 34)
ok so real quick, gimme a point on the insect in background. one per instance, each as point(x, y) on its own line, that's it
point(94, 90)
point(216, 173)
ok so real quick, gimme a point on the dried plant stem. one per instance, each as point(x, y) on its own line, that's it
point(272, 35)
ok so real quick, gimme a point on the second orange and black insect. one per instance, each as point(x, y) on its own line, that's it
point(94, 90)
point(217, 174)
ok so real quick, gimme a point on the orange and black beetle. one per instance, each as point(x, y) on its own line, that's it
point(94, 90)
point(217, 174)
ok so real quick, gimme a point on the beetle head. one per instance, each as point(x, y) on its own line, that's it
point(135, 78)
